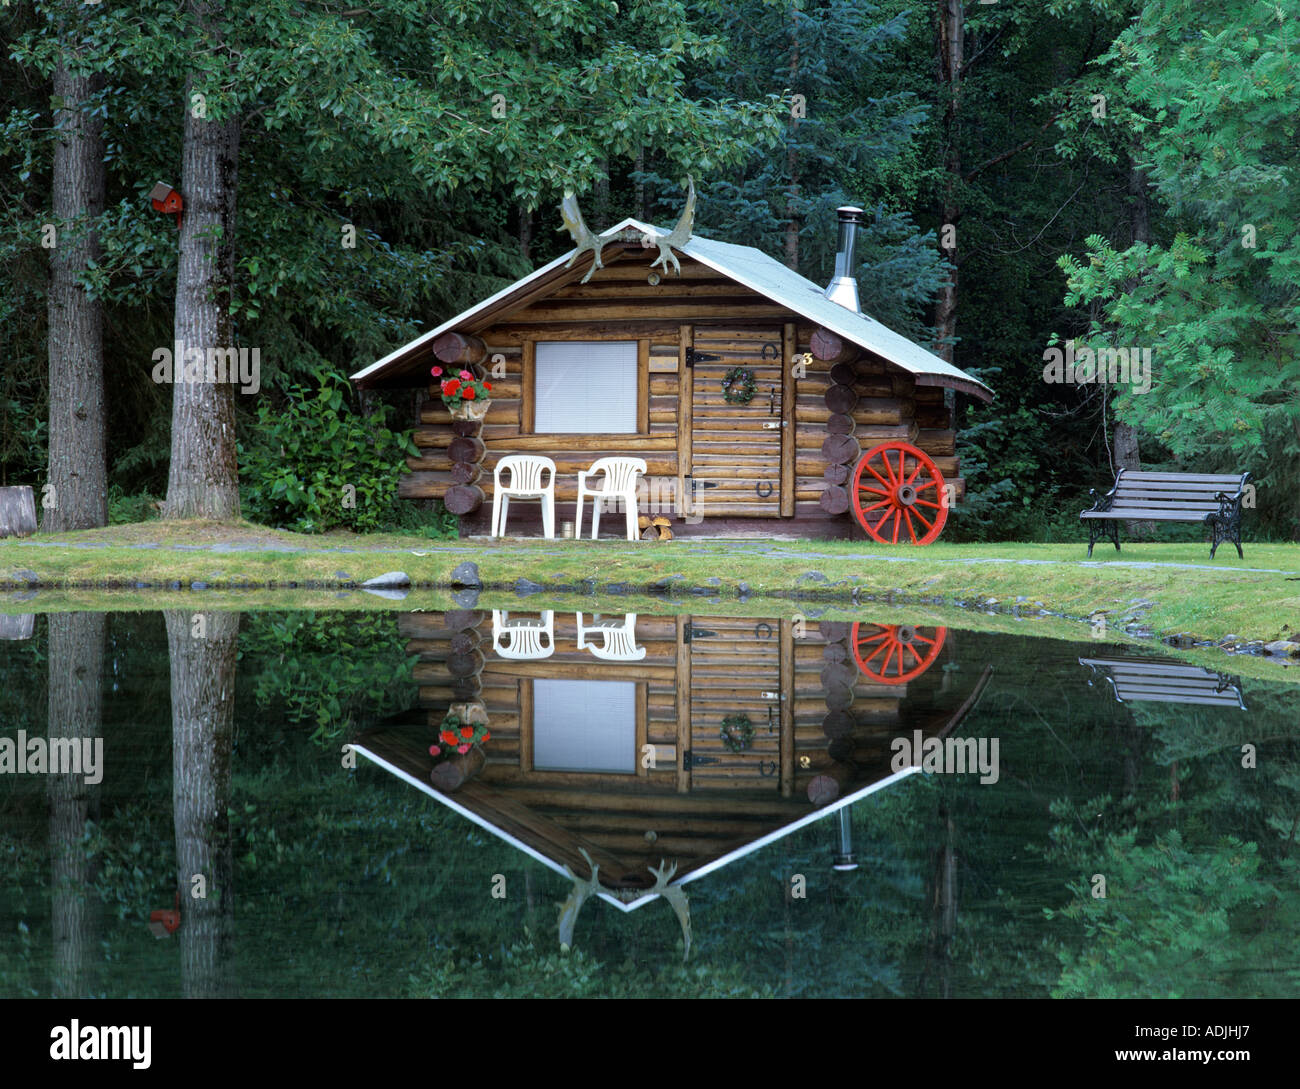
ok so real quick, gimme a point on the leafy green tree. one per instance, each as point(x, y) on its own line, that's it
point(1210, 100)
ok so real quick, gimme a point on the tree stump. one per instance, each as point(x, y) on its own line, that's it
point(822, 790)
point(461, 619)
point(839, 697)
point(836, 474)
point(840, 423)
point(835, 652)
point(17, 512)
point(468, 664)
point(466, 472)
point(834, 631)
point(466, 428)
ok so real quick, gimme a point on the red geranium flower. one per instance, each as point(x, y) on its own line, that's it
point(487, 736)
point(448, 737)
point(487, 385)
point(467, 732)
point(451, 387)
point(436, 371)
point(469, 393)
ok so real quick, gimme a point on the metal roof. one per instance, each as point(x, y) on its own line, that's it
point(760, 273)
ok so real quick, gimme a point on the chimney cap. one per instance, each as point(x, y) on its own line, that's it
point(850, 213)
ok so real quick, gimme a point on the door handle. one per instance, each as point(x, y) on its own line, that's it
point(772, 425)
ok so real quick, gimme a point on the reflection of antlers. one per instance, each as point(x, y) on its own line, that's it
point(582, 237)
point(591, 886)
point(678, 236)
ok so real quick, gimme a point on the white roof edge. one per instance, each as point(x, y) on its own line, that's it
point(870, 334)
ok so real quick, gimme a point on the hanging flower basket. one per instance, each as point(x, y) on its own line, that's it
point(458, 753)
point(470, 410)
point(466, 397)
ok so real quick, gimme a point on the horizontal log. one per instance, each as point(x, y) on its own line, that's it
point(840, 449)
point(463, 498)
point(840, 423)
point(936, 441)
point(841, 399)
point(834, 499)
point(457, 348)
point(466, 449)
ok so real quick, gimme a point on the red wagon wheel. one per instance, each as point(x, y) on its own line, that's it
point(895, 653)
point(897, 488)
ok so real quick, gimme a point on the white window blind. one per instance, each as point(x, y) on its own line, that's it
point(585, 386)
point(584, 726)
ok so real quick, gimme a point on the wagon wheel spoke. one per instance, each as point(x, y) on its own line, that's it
point(889, 500)
point(900, 653)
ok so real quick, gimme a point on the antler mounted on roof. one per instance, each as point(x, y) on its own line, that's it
point(582, 237)
point(678, 236)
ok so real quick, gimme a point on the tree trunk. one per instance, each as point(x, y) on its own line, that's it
point(792, 218)
point(76, 673)
point(203, 480)
point(203, 715)
point(1125, 451)
point(77, 458)
point(525, 231)
point(950, 26)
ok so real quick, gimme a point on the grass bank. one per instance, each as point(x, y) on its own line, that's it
point(1148, 590)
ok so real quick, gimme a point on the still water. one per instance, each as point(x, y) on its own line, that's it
point(674, 805)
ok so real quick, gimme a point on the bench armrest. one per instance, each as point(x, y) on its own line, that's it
point(1100, 502)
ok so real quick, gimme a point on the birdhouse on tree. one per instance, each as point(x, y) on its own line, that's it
point(167, 200)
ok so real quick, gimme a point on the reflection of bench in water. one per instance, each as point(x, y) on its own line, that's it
point(1164, 680)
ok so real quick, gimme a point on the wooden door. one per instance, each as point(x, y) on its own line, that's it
point(735, 670)
point(736, 448)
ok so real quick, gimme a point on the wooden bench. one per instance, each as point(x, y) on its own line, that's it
point(1169, 497)
point(1160, 680)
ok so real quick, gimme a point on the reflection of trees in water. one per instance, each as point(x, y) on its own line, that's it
point(203, 706)
point(76, 669)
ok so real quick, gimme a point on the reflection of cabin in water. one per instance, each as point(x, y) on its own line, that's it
point(631, 364)
point(565, 768)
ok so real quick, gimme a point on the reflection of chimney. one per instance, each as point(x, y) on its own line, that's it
point(843, 288)
point(845, 859)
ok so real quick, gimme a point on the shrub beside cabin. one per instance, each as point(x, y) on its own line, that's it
point(629, 359)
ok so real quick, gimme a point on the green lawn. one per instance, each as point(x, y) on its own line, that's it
point(1168, 588)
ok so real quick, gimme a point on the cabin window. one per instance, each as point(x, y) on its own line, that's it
point(585, 386)
point(584, 726)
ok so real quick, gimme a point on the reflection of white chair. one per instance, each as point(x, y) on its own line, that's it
point(618, 642)
point(620, 483)
point(528, 638)
point(527, 472)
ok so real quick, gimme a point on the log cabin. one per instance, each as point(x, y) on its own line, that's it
point(568, 773)
point(601, 353)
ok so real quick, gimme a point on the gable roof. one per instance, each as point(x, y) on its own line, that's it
point(745, 265)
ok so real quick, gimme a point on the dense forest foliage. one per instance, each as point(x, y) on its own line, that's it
point(1120, 173)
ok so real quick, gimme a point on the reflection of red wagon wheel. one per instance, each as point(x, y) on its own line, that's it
point(895, 653)
point(896, 487)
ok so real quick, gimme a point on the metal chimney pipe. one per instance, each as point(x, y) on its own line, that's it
point(845, 859)
point(843, 289)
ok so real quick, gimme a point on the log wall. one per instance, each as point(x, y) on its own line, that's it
point(620, 304)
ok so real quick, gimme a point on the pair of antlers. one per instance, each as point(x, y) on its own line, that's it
point(582, 889)
point(585, 240)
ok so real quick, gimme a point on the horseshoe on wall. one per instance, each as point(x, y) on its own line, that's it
point(762, 630)
point(762, 768)
point(760, 486)
point(776, 352)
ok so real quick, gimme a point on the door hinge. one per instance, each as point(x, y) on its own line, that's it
point(693, 633)
point(690, 760)
point(693, 357)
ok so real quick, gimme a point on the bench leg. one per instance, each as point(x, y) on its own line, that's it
point(1114, 533)
point(1092, 535)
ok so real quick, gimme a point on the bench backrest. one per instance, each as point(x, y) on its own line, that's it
point(1191, 492)
point(1136, 680)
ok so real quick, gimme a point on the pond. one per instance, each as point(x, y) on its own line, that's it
point(671, 805)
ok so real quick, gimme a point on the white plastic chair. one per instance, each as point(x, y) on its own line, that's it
point(620, 483)
point(618, 638)
point(529, 639)
point(527, 471)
